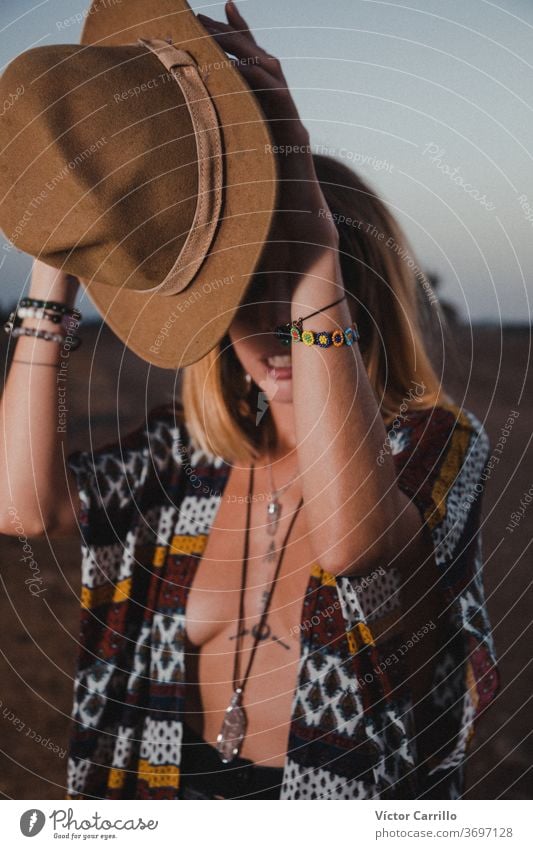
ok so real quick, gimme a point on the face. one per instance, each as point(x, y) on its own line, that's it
point(267, 304)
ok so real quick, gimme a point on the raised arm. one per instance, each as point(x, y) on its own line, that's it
point(34, 478)
point(358, 518)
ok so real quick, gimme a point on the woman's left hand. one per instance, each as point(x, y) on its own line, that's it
point(301, 203)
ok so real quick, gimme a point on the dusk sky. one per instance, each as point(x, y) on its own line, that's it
point(431, 102)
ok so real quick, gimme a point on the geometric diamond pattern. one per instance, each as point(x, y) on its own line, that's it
point(151, 499)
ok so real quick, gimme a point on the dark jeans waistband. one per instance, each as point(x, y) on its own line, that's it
point(204, 775)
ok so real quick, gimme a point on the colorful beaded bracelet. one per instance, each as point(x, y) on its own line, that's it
point(323, 338)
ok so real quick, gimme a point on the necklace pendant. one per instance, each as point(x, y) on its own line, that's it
point(233, 729)
point(271, 553)
point(273, 514)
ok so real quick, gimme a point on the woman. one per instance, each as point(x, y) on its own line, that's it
point(281, 575)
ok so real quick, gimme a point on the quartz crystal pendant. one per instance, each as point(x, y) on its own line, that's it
point(233, 730)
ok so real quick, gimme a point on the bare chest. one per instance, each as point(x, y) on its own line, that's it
point(212, 626)
point(214, 597)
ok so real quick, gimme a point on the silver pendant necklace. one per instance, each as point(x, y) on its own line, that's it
point(274, 509)
point(233, 729)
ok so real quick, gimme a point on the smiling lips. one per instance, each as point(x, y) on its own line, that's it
point(279, 366)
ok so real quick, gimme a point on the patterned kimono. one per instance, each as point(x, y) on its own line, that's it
point(147, 504)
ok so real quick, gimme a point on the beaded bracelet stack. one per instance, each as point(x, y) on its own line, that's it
point(293, 332)
point(53, 311)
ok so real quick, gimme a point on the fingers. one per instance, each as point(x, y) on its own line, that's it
point(260, 70)
point(236, 19)
point(242, 46)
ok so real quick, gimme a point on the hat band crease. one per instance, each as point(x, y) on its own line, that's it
point(207, 134)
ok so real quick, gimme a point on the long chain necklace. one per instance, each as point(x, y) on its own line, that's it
point(274, 509)
point(233, 729)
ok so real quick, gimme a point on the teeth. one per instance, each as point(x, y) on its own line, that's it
point(279, 361)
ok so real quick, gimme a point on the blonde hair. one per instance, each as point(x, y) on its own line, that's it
point(387, 294)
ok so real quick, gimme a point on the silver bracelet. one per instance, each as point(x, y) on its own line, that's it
point(39, 312)
point(67, 317)
point(45, 334)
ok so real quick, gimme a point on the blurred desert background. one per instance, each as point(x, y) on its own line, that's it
point(487, 370)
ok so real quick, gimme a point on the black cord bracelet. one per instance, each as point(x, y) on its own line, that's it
point(323, 309)
point(283, 331)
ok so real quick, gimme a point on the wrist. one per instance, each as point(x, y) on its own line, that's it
point(322, 278)
point(332, 308)
point(52, 320)
point(50, 284)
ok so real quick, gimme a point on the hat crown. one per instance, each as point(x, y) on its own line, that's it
point(153, 183)
point(109, 146)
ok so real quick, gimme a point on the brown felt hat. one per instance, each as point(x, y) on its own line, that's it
point(142, 164)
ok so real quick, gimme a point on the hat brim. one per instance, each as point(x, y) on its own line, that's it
point(170, 331)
